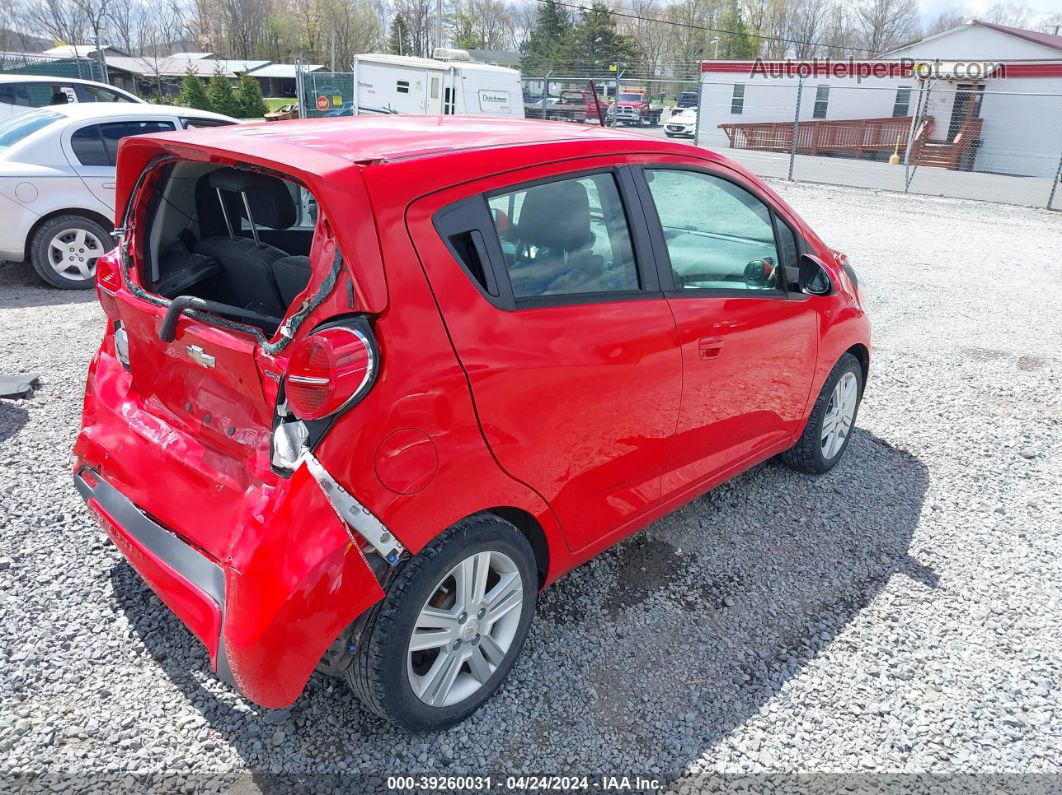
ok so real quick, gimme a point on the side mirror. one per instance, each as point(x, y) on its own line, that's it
point(812, 277)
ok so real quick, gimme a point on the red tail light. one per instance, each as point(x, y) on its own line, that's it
point(109, 272)
point(328, 370)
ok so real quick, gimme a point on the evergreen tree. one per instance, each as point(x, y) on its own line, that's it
point(596, 45)
point(248, 97)
point(738, 44)
point(545, 49)
point(219, 92)
point(399, 40)
point(193, 93)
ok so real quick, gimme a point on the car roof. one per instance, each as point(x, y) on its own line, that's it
point(369, 139)
point(11, 78)
point(101, 110)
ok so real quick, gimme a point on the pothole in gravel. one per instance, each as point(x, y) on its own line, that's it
point(643, 567)
point(1027, 363)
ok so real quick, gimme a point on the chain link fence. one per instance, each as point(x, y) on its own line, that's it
point(323, 94)
point(570, 98)
point(934, 138)
point(19, 63)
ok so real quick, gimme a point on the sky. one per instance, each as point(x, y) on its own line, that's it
point(931, 8)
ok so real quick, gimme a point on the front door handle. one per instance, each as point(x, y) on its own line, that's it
point(710, 347)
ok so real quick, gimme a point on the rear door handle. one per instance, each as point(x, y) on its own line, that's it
point(710, 347)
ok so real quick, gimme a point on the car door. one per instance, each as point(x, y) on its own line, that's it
point(547, 288)
point(92, 149)
point(748, 345)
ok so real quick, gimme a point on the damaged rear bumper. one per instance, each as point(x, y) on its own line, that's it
point(188, 582)
point(248, 637)
point(265, 574)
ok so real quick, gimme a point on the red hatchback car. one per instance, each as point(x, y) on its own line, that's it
point(367, 385)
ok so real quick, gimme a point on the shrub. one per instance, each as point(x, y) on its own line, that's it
point(219, 92)
point(248, 96)
point(193, 93)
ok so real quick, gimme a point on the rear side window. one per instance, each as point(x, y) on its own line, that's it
point(565, 237)
point(195, 124)
point(99, 94)
point(97, 144)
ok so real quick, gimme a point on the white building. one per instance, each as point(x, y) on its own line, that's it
point(978, 97)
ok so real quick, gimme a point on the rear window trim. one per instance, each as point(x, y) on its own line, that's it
point(286, 331)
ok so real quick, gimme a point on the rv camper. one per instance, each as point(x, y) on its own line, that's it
point(447, 84)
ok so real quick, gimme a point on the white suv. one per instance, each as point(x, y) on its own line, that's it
point(23, 93)
point(57, 181)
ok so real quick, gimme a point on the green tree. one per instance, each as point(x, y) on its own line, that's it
point(545, 49)
point(596, 45)
point(738, 44)
point(248, 97)
point(219, 92)
point(399, 40)
point(193, 92)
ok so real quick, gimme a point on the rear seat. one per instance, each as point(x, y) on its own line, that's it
point(250, 276)
point(291, 274)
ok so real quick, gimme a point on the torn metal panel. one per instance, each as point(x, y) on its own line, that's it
point(354, 514)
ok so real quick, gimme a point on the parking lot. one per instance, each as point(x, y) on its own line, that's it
point(901, 614)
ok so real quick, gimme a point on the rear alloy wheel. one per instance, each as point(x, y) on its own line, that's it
point(465, 629)
point(829, 427)
point(450, 628)
point(64, 251)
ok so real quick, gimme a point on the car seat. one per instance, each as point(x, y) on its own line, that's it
point(555, 221)
point(247, 265)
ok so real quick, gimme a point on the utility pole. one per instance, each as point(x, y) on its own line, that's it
point(333, 47)
point(438, 25)
point(105, 78)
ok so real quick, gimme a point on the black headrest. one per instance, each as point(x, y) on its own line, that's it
point(556, 216)
point(270, 200)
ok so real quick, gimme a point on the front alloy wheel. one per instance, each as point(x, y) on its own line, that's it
point(829, 428)
point(840, 414)
point(450, 628)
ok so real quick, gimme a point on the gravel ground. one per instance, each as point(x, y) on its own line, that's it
point(901, 614)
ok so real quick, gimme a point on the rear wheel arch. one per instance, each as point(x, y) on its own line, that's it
point(533, 531)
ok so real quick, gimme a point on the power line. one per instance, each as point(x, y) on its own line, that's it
point(631, 15)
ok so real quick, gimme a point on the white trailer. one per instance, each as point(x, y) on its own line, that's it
point(433, 86)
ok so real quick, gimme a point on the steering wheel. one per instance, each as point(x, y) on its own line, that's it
point(760, 273)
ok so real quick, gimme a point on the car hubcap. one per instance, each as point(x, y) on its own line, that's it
point(465, 629)
point(839, 415)
point(72, 253)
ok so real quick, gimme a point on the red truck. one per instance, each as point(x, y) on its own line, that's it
point(573, 105)
point(633, 107)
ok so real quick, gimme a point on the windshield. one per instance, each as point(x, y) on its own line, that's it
point(630, 97)
point(24, 125)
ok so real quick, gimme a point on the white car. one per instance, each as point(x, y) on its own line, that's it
point(23, 93)
point(57, 181)
point(682, 124)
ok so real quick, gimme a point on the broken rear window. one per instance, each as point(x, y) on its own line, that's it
point(233, 236)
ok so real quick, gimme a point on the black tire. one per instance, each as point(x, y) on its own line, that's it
point(806, 455)
point(378, 673)
point(41, 253)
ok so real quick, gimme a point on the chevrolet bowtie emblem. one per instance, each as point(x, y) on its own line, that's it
point(199, 356)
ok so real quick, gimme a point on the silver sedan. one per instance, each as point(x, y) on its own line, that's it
point(57, 181)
